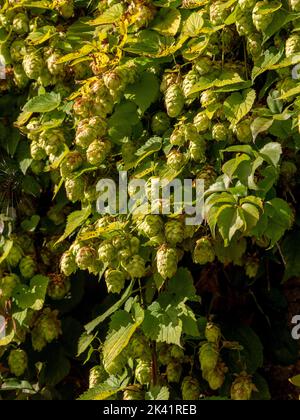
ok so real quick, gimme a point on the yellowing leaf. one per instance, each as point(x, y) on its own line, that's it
point(167, 22)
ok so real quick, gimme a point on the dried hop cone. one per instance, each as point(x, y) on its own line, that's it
point(261, 18)
point(160, 123)
point(27, 267)
point(190, 389)
point(174, 101)
point(115, 281)
point(68, 264)
point(204, 251)
point(167, 260)
point(97, 151)
point(242, 388)
point(17, 362)
point(208, 357)
point(174, 232)
point(143, 372)
point(136, 267)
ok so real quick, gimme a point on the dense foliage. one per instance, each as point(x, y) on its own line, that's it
point(147, 307)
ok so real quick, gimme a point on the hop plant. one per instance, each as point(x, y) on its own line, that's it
point(189, 82)
point(254, 45)
point(71, 163)
point(212, 333)
point(174, 232)
point(178, 137)
point(151, 226)
point(216, 377)
point(143, 372)
point(7, 285)
point(174, 101)
point(201, 122)
point(204, 251)
point(208, 97)
point(75, 189)
point(139, 347)
point(177, 353)
point(208, 357)
point(17, 362)
point(85, 258)
point(48, 325)
point(244, 24)
point(190, 389)
point(160, 123)
point(18, 50)
point(208, 175)
point(261, 20)
point(97, 375)
point(136, 267)
point(197, 151)
point(64, 7)
point(174, 371)
point(167, 260)
point(247, 4)
point(55, 68)
point(115, 281)
point(176, 160)
point(97, 152)
point(218, 13)
point(14, 256)
point(252, 266)
point(27, 267)
point(220, 132)
point(292, 45)
point(168, 80)
point(203, 65)
point(58, 286)
point(106, 252)
point(51, 141)
point(134, 393)
point(295, 5)
point(33, 65)
point(37, 152)
point(242, 388)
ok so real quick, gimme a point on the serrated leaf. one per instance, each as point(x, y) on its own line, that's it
point(74, 221)
point(157, 393)
point(260, 125)
point(271, 153)
point(84, 342)
point(216, 79)
point(145, 92)
point(105, 390)
point(167, 22)
point(111, 15)
point(238, 105)
point(43, 103)
point(229, 221)
point(266, 62)
point(193, 25)
point(32, 296)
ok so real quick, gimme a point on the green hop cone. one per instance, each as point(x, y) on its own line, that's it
point(17, 362)
point(174, 232)
point(134, 393)
point(49, 325)
point(168, 80)
point(212, 333)
point(220, 132)
point(197, 151)
point(288, 171)
point(136, 267)
point(58, 287)
point(37, 152)
point(85, 258)
point(208, 97)
point(115, 281)
point(208, 357)
point(178, 137)
point(295, 5)
point(252, 265)
point(27, 267)
point(242, 388)
point(176, 160)
point(204, 251)
point(14, 256)
point(106, 252)
point(75, 189)
point(68, 264)
point(201, 122)
point(160, 123)
point(7, 285)
point(216, 377)
point(143, 372)
point(244, 23)
point(189, 82)
point(55, 68)
point(243, 132)
point(33, 65)
point(85, 134)
point(139, 347)
point(20, 78)
point(190, 389)
point(254, 45)
point(174, 371)
point(72, 162)
point(38, 340)
point(20, 24)
point(167, 260)
point(51, 141)
point(97, 375)
point(292, 46)
point(218, 13)
point(18, 50)
point(97, 152)
point(174, 101)
point(177, 353)
point(208, 175)
point(151, 226)
point(260, 18)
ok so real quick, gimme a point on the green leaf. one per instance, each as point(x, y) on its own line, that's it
point(266, 62)
point(123, 120)
point(57, 366)
point(84, 342)
point(271, 153)
point(280, 218)
point(32, 296)
point(145, 92)
point(43, 103)
point(193, 25)
point(216, 79)
point(295, 380)
point(105, 390)
point(238, 105)
point(291, 251)
point(41, 35)
point(157, 393)
point(167, 22)
point(229, 221)
point(111, 15)
point(260, 125)
point(231, 167)
point(118, 340)
point(24, 156)
point(74, 221)
point(94, 324)
point(7, 248)
point(29, 225)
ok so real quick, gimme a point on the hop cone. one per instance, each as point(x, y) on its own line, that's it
point(261, 20)
point(136, 267)
point(242, 388)
point(174, 101)
point(212, 333)
point(115, 281)
point(17, 362)
point(160, 123)
point(58, 287)
point(27, 267)
point(7, 285)
point(208, 357)
point(143, 372)
point(174, 231)
point(174, 371)
point(167, 260)
point(190, 389)
point(204, 252)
